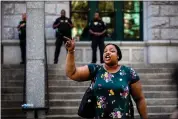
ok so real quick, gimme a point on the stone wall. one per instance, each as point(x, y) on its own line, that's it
point(160, 29)
point(132, 52)
point(52, 11)
point(162, 20)
point(12, 11)
point(11, 15)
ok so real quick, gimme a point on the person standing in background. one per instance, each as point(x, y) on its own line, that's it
point(63, 26)
point(22, 36)
point(97, 31)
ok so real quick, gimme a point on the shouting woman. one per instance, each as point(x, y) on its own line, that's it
point(113, 83)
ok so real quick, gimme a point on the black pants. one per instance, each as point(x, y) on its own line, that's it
point(97, 42)
point(23, 48)
point(59, 42)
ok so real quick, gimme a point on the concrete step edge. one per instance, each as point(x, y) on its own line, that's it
point(168, 85)
point(71, 115)
point(140, 73)
point(61, 93)
point(12, 116)
point(76, 107)
point(89, 81)
point(75, 115)
point(84, 92)
point(63, 70)
point(73, 100)
point(87, 86)
point(76, 100)
point(22, 81)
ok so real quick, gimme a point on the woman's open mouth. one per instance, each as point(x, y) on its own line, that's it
point(107, 57)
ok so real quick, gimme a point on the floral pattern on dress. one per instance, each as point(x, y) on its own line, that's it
point(99, 86)
point(101, 102)
point(125, 92)
point(122, 73)
point(107, 77)
point(116, 114)
point(133, 73)
point(111, 92)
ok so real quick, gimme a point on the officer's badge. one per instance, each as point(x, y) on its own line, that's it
point(95, 23)
point(62, 20)
point(66, 21)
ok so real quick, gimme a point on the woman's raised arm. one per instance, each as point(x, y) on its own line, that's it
point(75, 73)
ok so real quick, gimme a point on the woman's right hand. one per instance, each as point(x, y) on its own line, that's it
point(70, 44)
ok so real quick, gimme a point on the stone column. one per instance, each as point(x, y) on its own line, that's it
point(162, 24)
point(1, 37)
point(35, 70)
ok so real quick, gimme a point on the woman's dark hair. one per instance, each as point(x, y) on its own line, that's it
point(119, 53)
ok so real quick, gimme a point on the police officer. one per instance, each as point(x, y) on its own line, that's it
point(97, 31)
point(63, 26)
point(22, 36)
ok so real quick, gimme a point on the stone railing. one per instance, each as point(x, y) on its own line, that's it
point(151, 51)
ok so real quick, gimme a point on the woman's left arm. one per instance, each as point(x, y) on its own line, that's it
point(139, 98)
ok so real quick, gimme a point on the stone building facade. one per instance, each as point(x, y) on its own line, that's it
point(159, 45)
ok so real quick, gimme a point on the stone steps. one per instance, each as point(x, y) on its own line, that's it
point(138, 70)
point(141, 75)
point(61, 76)
point(65, 80)
point(76, 102)
point(13, 116)
point(83, 88)
point(65, 95)
point(73, 109)
point(150, 101)
point(68, 82)
point(74, 116)
point(79, 95)
point(12, 111)
point(11, 103)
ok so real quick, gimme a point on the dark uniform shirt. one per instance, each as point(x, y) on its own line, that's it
point(22, 30)
point(64, 27)
point(97, 26)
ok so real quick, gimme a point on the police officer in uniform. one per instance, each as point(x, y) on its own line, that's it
point(63, 26)
point(22, 36)
point(97, 30)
